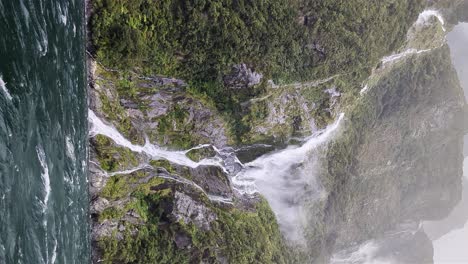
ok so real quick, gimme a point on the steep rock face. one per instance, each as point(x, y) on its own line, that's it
point(456, 220)
point(146, 209)
point(242, 77)
point(400, 156)
point(376, 185)
point(157, 108)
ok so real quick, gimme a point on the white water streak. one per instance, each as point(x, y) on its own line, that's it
point(129, 171)
point(286, 179)
point(45, 176)
point(214, 198)
point(98, 127)
point(270, 166)
point(54, 253)
point(4, 89)
point(399, 56)
point(364, 89)
point(70, 148)
point(424, 17)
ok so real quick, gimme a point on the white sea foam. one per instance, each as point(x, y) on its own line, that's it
point(44, 175)
point(4, 88)
point(54, 253)
point(70, 148)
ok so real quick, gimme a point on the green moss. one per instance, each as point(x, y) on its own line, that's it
point(115, 112)
point(284, 40)
point(111, 213)
point(252, 237)
point(163, 164)
point(116, 187)
point(145, 188)
point(241, 236)
point(201, 153)
point(111, 157)
point(175, 130)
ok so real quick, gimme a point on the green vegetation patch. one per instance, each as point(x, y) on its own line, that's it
point(294, 40)
point(239, 236)
point(112, 157)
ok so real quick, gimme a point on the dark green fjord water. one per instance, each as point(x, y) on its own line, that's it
point(43, 133)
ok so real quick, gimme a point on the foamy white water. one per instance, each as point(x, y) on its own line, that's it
point(286, 180)
point(45, 176)
point(404, 54)
point(54, 253)
point(424, 17)
point(266, 166)
point(4, 89)
point(70, 148)
point(364, 89)
point(98, 127)
point(129, 171)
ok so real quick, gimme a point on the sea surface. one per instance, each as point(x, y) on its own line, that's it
point(43, 133)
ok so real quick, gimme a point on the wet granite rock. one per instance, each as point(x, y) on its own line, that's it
point(212, 179)
point(189, 210)
point(200, 153)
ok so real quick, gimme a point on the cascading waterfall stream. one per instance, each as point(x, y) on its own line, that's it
point(423, 20)
point(98, 127)
point(276, 176)
point(286, 178)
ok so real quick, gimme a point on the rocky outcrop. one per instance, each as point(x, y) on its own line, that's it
point(189, 211)
point(157, 108)
point(456, 220)
point(396, 163)
point(241, 77)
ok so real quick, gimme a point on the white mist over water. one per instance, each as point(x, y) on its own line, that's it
point(451, 248)
point(287, 179)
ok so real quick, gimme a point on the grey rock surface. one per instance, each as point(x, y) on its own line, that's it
point(190, 211)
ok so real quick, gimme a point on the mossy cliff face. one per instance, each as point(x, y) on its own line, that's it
point(230, 74)
point(207, 43)
point(147, 219)
point(146, 210)
point(398, 161)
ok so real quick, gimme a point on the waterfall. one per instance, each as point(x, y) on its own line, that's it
point(287, 179)
point(98, 127)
